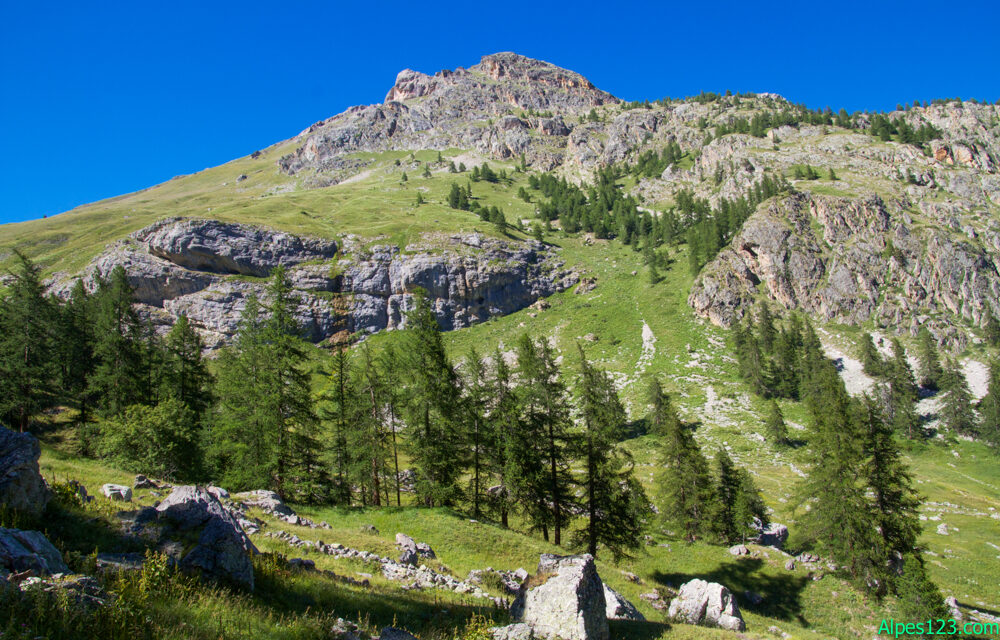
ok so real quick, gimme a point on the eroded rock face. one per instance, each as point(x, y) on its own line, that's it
point(21, 484)
point(223, 550)
point(618, 608)
point(707, 604)
point(193, 268)
point(568, 604)
point(850, 260)
point(29, 551)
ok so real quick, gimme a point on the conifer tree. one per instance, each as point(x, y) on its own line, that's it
point(918, 598)
point(501, 436)
point(956, 408)
point(662, 416)
point(186, 377)
point(115, 382)
point(989, 408)
point(474, 408)
point(433, 408)
point(76, 348)
point(340, 412)
point(543, 446)
point(388, 364)
point(930, 362)
point(902, 393)
point(614, 501)
point(370, 443)
point(991, 329)
point(777, 431)
point(689, 495)
point(895, 503)
point(749, 510)
point(27, 345)
point(871, 359)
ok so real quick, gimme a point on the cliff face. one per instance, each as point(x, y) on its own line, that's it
point(854, 260)
point(207, 270)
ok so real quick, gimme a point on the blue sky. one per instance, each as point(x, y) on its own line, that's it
point(99, 99)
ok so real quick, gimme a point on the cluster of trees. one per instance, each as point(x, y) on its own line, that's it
point(708, 229)
point(650, 164)
point(886, 129)
point(152, 392)
point(727, 507)
point(461, 198)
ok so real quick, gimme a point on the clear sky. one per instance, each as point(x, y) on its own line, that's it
point(103, 98)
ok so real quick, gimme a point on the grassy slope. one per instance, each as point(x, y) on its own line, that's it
point(690, 359)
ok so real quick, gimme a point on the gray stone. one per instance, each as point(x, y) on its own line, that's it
point(29, 551)
point(142, 482)
point(392, 633)
point(707, 604)
point(568, 601)
point(267, 501)
point(773, 535)
point(739, 550)
point(117, 492)
point(516, 631)
point(618, 608)
point(409, 557)
point(21, 485)
point(223, 550)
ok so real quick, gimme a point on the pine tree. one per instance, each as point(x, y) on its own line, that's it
point(115, 382)
point(161, 441)
point(689, 495)
point(749, 510)
point(871, 359)
point(765, 329)
point(420, 199)
point(501, 437)
point(991, 329)
point(427, 171)
point(369, 443)
point(474, 408)
point(930, 363)
point(340, 412)
point(433, 408)
point(902, 393)
point(918, 599)
point(839, 519)
point(895, 504)
point(662, 416)
point(777, 432)
point(542, 449)
point(389, 364)
point(614, 501)
point(956, 409)
point(186, 377)
point(989, 408)
point(76, 349)
point(27, 345)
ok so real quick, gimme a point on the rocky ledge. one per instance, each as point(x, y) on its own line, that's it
point(206, 270)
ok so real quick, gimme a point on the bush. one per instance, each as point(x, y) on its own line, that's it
point(161, 441)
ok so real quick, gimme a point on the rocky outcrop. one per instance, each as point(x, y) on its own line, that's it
point(199, 268)
point(465, 108)
point(564, 600)
point(22, 487)
point(773, 535)
point(618, 608)
point(851, 260)
point(222, 550)
point(707, 604)
point(28, 551)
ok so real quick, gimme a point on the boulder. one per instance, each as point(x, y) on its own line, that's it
point(404, 541)
point(369, 529)
point(142, 482)
point(565, 599)
point(773, 535)
point(409, 557)
point(516, 631)
point(267, 501)
point(219, 492)
point(223, 550)
point(424, 551)
point(79, 591)
point(29, 551)
point(739, 550)
point(618, 608)
point(708, 604)
point(21, 485)
point(117, 492)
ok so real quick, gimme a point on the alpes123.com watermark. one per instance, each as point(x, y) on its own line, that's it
point(937, 627)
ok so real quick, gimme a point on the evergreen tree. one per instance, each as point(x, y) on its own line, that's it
point(895, 504)
point(388, 365)
point(765, 329)
point(749, 509)
point(27, 346)
point(956, 409)
point(542, 448)
point(340, 412)
point(370, 444)
point(918, 599)
point(989, 408)
point(777, 432)
point(689, 495)
point(116, 380)
point(991, 330)
point(902, 393)
point(474, 407)
point(76, 348)
point(871, 359)
point(501, 437)
point(162, 441)
point(614, 501)
point(930, 363)
point(662, 416)
point(433, 408)
point(186, 377)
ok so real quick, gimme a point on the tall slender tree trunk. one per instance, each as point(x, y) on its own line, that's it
point(475, 499)
point(556, 498)
point(395, 452)
point(591, 506)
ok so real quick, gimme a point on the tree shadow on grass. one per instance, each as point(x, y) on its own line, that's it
point(634, 630)
point(782, 594)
